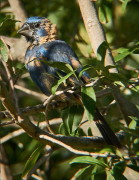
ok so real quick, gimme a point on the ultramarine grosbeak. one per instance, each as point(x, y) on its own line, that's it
point(45, 47)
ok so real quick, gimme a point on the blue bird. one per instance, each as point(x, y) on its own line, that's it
point(45, 47)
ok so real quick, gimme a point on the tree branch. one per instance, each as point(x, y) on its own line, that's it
point(97, 36)
point(18, 10)
point(4, 167)
point(95, 30)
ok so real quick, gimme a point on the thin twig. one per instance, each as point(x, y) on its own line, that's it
point(21, 131)
point(30, 92)
point(6, 123)
point(58, 93)
point(4, 167)
point(47, 103)
point(11, 85)
point(39, 163)
point(12, 135)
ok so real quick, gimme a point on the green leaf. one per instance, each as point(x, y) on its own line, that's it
point(32, 160)
point(89, 99)
point(72, 117)
point(134, 132)
point(133, 123)
point(104, 14)
point(98, 170)
point(108, 149)
point(116, 77)
point(124, 4)
point(118, 175)
point(122, 53)
point(101, 52)
point(118, 170)
point(77, 112)
point(89, 132)
point(63, 130)
point(88, 160)
point(109, 175)
point(7, 18)
point(85, 69)
point(60, 81)
point(81, 171)
point(3, 51)
point(63, 67)
point(60, 65)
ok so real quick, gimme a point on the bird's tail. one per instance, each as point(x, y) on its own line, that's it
point(107, 133)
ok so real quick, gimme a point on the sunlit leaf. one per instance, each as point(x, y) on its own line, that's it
point(122, 53)
point(89, 99)
point(88, 160)
point(124, 4)
point(3, 51)
point(104, 14)
point(32, 160)
point(108, 149)
point(60, 81)
point(133, 124)
point(109, 175)
point(84, 69)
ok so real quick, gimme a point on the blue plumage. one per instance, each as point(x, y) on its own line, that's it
point(45, 47)
point(42, 35)
point(34, 19)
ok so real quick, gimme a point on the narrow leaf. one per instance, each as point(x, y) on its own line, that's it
point(109, 176)
point(88, 160)
point(65, 117)
point(105, 14)
point(76, 120)
point(84, 69)
point(81, 171)
point(72, 118)
point(124, 4)
point(32, 160)
point(60, 65)
point(3, 51)
point(101, 51)
point(54, 88)
point(118, 169)
point(102, 14)
point(122, 53)
point(89, 99)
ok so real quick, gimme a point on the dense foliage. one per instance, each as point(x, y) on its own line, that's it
point(20, 152)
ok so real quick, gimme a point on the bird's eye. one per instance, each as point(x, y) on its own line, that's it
point(37, 25)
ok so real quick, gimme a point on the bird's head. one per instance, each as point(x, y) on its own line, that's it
point(38, 30)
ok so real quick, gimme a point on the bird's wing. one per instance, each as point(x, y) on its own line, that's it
point(60, 51)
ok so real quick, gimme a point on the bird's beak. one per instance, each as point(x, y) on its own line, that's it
point(24, 30)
